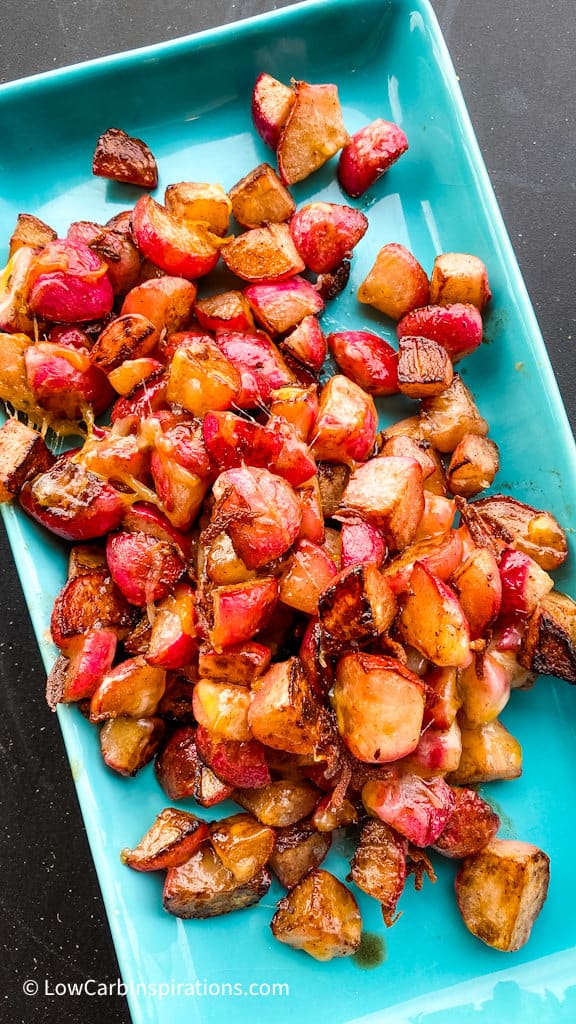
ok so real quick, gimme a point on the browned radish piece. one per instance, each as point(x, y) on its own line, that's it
point(388, 492)
point(203, 887)
point(489, 752)
point(127, 337)
point(263, 254)
point(143, 568)
point(473, 466)
point(345, 429)
point(298, 849)
point(284, 713)
point(438, 515)
point(403, 444)
point(440, 554)
point(209, 790)
point(73, 503)
point(201, 377)
point(199, 202)
point(325, 233)
point(524, 584)
point(457, 327)
point(361, 544)
point(332, 481)
point(84, 558)
point(238, 763)
point(330, 815)
point(117, 250)
point(133, 689)
point(128, 744)
point(181, 439)
point(281, 803)
point(319, 916)
point(379, 707)
point(314, 131)
point(147, 519)
point(122, 459)
point(166, 301)
point(122, 157)
point(30, 231)
point(173, 640)
point(176, 704)
point(470, 827)
point(260, 198)
point(432, 620)
point(368, 154)
point(259, 364)
point(443, 700)
point(396, 284)
point(438, 752)
point(330, 285)
point(293, 461)
point(223, 566)
point(479, 588)
point(298, 406)
point(179, 249)
point(448, 417)
point(178, 764)
point(313, 657)
point(15, 314)
point(501, 890)
point(378, 866)
point(271, 104)
point(549, 642)
point(312, 526)
point(367, 359)
point(240, 610)
point(280, 306)
point(146, 399)
point(241, 664)
point(90, 656)
point(89, 602)
point(416, 808)
point(232, 441)
point(513, 523)
point(261, 511)
point(222, 709)
point(243, 844)
point(309, 571)
point(180, 490)
point(171, 841)
point(459, 277)
point(355, 607)
point(64, 381)
point(133, 372)
point(68, 283)
point(226, 311)
point(307, 343)
point(519, 677)
point(424, 367)
point(23, 454)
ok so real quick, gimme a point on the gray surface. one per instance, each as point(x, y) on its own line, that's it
point(515, 60)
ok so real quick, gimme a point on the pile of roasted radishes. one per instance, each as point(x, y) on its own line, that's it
point(267, 596)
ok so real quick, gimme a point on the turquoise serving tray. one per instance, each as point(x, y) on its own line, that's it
point(190, 100)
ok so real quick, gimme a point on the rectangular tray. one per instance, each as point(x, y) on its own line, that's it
point(190, 100)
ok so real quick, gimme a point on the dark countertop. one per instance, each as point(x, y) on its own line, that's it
point(515, 62)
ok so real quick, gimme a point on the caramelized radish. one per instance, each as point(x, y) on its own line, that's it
point(271, 104)
point(433, 622)
point(144, 569)
point(122, 157)
point(69, 282)
point(367, 360)
point(262, 510)
point(345, 429)
point(368, 154)
point(313, 132)
point(457, 327)
point(241, 610)
point(416, 808)
point(263, 254)
point(279, 306)
point(324, 233)
point(396, 283)
point(182, 250)
point(74, 503)
point(166, 301)
point(379, 707)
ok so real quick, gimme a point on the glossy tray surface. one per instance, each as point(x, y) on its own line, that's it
point(190, 101)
